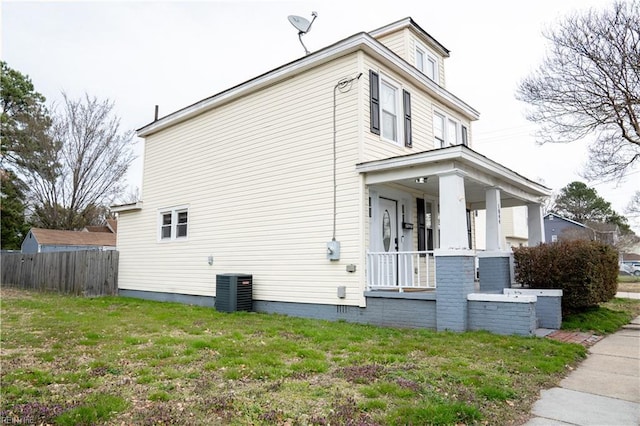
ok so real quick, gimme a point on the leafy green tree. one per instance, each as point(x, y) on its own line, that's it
point(581, 203)
point(588, 86)
point(24, 122)
point(13, 227)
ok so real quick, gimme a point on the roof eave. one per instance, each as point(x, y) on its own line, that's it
point(360, 41)
point(121, 208)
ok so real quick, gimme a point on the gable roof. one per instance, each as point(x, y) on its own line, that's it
point(360, 41)
point(564, 218)
point(111, 226)
point(408, 22)
point(73, 238)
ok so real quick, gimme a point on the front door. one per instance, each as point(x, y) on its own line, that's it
point(388, 241)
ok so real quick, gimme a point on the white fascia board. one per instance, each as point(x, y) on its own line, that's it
point(361, 41)
point(127, 207)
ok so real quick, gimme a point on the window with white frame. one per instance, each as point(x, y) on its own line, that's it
point(427, 62)
point(173, 224)
point(448, 131)
point(438, 130)
point(420, 55)
point(390, 110)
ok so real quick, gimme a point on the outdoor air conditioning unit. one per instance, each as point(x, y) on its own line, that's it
point(234, 292)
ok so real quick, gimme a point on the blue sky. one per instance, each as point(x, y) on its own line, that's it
point(174, 53)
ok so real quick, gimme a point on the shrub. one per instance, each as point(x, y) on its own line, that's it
point(586, 271)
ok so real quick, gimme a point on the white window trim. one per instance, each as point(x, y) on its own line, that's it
point(174, 223)
point(399, 110)
point(459, 125)
point(426, 56)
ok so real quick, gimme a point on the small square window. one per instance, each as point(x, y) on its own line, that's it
point(173, 224)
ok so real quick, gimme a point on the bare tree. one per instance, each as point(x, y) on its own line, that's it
point(85, 171)
point(633, 208)
point(588, 86)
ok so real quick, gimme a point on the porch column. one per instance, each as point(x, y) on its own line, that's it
point(453, 211)
point(493, 226)
point(455, 262)
point(494, 264)
point(536, 224)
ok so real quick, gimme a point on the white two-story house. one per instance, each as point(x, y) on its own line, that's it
point(342, 182)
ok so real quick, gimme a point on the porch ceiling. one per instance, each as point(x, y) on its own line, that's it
point(480, 173)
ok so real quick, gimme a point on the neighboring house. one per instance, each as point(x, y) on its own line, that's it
point(558, 228)
point(110, 226)
point(608, 233)
point(339, 181)
point(514, 228)
point(50, 240)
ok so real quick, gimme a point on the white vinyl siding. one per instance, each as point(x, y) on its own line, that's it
point(397, 42)
point(257, 174)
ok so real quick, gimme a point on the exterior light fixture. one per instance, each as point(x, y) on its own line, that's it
point(421, 180)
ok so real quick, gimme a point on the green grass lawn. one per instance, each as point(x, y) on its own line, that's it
point(604, 319)
point(112, 360)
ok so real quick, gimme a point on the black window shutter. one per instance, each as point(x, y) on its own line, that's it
point(406, 96)
point(422, 241)
point(374, 90)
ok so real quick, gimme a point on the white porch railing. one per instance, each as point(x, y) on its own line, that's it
point(401, 270)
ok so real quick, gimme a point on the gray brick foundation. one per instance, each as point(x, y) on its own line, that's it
point(455, 280)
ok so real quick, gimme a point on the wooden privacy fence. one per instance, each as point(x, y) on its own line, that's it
point(81, 273)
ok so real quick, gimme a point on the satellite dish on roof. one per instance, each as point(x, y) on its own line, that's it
point(303, 26)
point(300, 23)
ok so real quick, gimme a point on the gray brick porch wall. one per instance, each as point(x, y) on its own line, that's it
point(455, 280)
point(548, 305)
point(503, 317)
point(495, 273)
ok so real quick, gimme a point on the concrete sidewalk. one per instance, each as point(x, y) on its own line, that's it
point(604, 389)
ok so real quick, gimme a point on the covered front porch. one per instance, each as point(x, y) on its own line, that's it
point(421, 210)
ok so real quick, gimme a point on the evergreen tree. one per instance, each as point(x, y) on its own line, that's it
point(13, 226)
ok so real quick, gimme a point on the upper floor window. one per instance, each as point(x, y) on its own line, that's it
point(389, 100)
point(390, 108)
point(448, 131)
point(427, 62)
point(173, 224)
